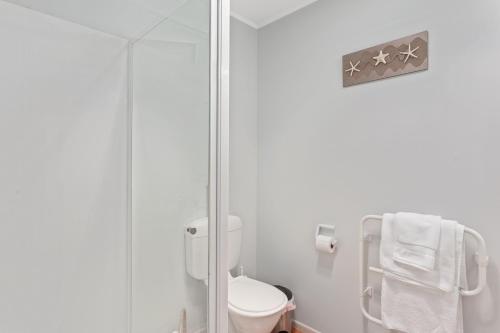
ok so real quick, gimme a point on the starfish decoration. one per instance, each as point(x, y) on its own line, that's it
point(354, 68)
point(381, 58)
point(410, 53)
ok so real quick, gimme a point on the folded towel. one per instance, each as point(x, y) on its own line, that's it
point(411, 308)
point(444, 274)
point(417, 240)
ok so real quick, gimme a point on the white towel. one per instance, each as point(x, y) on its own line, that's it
point(443, 276)
point(417, 240)
point(413, 308)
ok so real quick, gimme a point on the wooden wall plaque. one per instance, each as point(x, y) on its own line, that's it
point(402, 56)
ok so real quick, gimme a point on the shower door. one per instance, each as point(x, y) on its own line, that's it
point(113, 116)
point(179, 162)
point(170, 167)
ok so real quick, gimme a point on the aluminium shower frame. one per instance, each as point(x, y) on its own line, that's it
point(218, 195)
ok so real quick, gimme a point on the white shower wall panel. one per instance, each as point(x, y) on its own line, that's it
point(63, 227)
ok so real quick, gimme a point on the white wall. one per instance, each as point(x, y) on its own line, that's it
point(243, 137)
point(170, 173)
point(63, 176)
point(427, 142)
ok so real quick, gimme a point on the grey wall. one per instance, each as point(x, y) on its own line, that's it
point(243, 134)
point(427, 142)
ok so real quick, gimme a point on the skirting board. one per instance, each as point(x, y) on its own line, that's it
point(304, 328)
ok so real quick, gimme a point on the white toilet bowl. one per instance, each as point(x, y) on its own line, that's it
point(254, 306)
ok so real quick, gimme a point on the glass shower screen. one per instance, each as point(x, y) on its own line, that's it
point(170, 172)
point(105, 116)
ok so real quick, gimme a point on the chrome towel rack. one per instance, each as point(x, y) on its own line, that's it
point(366, 291)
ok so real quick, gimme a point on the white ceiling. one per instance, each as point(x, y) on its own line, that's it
point(130, 19)
point(258, 13)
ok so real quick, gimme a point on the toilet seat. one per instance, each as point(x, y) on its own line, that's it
point(254, 298)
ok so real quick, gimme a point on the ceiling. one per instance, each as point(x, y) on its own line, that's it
point(130, 19)
point(258, 13)
point(133, 19)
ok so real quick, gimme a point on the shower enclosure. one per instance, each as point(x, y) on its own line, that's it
point(113, 133)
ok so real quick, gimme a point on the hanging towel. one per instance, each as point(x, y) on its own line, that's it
point(417, 240)
point(412, 308)
point(444, 274)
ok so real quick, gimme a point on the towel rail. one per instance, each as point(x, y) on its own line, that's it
point(481, 258)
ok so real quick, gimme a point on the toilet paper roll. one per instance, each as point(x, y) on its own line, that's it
point(325, 244)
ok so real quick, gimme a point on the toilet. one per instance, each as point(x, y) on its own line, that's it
point(254, 306)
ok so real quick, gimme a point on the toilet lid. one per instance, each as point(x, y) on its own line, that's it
point(251, 295)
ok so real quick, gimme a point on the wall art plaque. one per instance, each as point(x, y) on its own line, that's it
point(402, 56)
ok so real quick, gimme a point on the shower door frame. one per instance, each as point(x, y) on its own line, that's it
point(218, 195)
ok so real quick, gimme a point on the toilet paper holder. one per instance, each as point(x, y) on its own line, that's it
point(325, 238)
